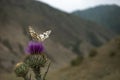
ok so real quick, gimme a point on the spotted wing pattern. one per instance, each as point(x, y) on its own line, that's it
point(40, 37)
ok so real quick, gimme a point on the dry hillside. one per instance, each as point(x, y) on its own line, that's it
point(70, 34)
point(104, 65)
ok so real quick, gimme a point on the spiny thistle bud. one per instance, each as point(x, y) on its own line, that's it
point(21, 69)
point(36, 60)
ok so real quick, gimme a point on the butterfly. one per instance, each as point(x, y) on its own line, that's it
point(39, 37)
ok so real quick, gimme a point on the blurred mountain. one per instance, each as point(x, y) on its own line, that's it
point(104, 66)
point(71, 35)
point(106, 15)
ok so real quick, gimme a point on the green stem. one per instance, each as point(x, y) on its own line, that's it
point(26, 77)
point(37, 73)
point(46, 71)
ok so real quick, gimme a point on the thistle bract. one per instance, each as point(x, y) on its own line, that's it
point(34, 47)
point(36, 60)
point(21, 69)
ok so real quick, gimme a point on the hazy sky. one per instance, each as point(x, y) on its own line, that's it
point(71, 5)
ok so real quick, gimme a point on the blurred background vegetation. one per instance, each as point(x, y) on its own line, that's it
point(84, 45)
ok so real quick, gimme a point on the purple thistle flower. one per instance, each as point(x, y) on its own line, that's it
point(35, 47)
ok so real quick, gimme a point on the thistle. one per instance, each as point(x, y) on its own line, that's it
point(36, 59)
point(21, 69)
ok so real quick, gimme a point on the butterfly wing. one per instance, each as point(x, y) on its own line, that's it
point(33, 34)
point(45, 35)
